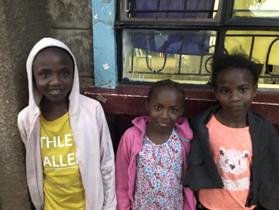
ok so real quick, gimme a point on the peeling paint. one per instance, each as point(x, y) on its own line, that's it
point(106, 84)
point(106, 66)
point(105, 73)
point(99, 21)
point(106, 1)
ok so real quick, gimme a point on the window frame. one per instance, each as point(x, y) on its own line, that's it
point(223, 23)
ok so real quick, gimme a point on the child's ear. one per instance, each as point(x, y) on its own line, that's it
point(255, 89)
point(182, 109)
point(182, 112)
point(215, 91)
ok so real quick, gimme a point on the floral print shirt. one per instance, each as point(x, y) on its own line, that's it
point(159, 172)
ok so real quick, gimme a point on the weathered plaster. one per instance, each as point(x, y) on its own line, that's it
point(21, 25)
point(80, 42)
point(70, 14)
point(104, 46)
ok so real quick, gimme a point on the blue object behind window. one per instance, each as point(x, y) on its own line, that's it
point(179, 42)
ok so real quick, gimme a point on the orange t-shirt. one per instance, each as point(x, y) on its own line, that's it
point(232, 153)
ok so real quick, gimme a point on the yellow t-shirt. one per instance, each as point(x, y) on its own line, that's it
point(63, 189)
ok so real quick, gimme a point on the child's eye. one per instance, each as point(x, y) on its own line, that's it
point(243, 89)
point(44, 75)
point(65, 74)
point(174, 110)
point(223, 91)
point(156, 107)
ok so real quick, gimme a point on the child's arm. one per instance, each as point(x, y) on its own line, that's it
point(20, 125)
point(107, 162)
point(269, 189)
point(122, 177)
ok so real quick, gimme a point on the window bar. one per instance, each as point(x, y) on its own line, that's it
point(200, 66)
point(155, 70)
point(132, 61)
point(174, 11)
point(127, 8)
point(252, 47)
point(206, 63)
point(185, 5)
point(210, 58)
point(158, 5)
point(220, 40)
point(180, 56)
point(255, 10)
point(133, 52)
point(179, 64)
point(268, 54)
point(162, 73)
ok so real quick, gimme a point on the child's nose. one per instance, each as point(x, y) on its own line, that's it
point(55, 80)
point(234, 96)
point(165, 113)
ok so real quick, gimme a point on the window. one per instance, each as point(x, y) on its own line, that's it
point(177, 39)
point(256, 8)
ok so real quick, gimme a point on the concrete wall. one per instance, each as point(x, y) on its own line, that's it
point(71, 22)
point(22, 24)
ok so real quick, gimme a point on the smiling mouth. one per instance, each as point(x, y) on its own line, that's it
point(237, 107)
point(55, 91)
point(164, 124)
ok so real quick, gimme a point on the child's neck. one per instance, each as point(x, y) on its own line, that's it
point(158, 136)
point(233, 121)
point(53, 110)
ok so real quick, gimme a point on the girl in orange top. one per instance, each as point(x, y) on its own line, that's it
point(234, 161)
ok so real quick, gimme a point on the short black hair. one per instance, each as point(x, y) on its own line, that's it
point(165, 83)
point(239, 61)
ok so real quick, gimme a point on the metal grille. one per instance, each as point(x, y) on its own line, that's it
point(142, 56)
point(203, 67)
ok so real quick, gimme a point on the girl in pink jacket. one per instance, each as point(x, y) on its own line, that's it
point(152, 155)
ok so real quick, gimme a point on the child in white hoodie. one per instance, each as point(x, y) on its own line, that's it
point(69, 154)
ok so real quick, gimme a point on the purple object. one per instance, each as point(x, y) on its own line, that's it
point(186, 42)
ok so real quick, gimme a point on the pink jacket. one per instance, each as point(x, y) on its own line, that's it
point(130, 145)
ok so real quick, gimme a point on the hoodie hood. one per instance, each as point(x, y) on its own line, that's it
point(34, 95)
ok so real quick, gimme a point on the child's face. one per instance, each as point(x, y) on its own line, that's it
point(235, 91)
point(164, 107)
point(53, 71)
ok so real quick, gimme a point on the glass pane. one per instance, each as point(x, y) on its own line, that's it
point(256, 8)
point(261, 46)
point(173, 9)
point(185, 56)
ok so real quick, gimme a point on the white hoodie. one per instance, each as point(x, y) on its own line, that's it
point(94, 147)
